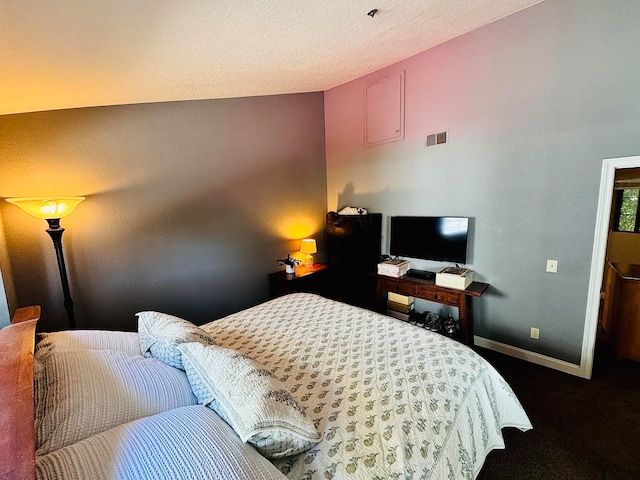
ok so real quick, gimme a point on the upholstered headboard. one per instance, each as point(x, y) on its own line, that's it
point(17, 454)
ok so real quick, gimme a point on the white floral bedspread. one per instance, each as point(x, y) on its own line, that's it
point(392, 400)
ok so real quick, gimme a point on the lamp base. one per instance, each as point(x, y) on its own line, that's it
point(308, 260)
point(55, 231)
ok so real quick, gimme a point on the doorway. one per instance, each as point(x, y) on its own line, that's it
point(598, 257)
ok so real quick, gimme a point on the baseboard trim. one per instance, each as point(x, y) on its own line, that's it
point(528, 356)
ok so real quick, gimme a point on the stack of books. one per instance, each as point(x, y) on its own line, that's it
point(399, 306)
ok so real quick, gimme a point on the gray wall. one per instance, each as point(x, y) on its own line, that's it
point(533, 103)
point(7, 292)
point(189, 203)
point(5, 316)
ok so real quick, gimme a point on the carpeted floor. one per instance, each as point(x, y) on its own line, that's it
point(582, 429)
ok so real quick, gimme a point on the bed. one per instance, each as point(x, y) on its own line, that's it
point(299, 387)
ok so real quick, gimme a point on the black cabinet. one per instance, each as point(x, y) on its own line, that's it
point(353, 253)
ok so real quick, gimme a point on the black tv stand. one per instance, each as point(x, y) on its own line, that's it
point(424, 274)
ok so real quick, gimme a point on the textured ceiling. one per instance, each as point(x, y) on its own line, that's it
point(77, 53)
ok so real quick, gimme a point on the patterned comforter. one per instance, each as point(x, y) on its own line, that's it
point(392, 400)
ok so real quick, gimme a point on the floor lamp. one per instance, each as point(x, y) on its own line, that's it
point(52, 209)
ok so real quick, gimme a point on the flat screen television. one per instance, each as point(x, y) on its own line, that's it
point(430, 238)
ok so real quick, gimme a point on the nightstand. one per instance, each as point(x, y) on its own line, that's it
point(306, 279)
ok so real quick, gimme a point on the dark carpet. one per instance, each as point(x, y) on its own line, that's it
point(582, 429)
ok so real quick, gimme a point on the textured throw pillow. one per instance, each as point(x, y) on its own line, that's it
point(84, 392)
point(248, 396)
point(68, 340)
point(160, 334)
point(189, 443)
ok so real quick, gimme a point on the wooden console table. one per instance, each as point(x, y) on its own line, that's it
point(428, 290)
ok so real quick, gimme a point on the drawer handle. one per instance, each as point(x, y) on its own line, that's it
point(435, 295)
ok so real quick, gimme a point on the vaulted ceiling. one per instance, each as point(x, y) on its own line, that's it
point(77, 53)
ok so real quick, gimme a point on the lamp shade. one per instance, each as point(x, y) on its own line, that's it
point(308, 245)
point(47, 207)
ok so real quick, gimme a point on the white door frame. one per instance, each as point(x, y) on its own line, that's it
point(598, 257)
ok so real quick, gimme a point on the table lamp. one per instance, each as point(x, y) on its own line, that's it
point(52, 209)
point(308, 246)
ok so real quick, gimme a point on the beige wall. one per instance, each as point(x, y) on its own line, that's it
point(189, 203)
point(7, 294)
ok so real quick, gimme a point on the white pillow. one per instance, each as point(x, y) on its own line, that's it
point(84, 392)
point(67, 340)
point(249, 397)
point(161, 333)
point(181, 444)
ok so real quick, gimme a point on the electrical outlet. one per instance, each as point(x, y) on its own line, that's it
point(552, 266)
point(535, 333)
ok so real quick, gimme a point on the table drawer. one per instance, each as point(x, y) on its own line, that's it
point(429, 293)
point(398, 287)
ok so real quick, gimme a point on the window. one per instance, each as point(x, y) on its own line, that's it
point(626, 217)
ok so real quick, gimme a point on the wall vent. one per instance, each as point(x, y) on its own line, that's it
point(434, 139)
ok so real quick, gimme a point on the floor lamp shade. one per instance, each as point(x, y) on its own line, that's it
point(47, 208)
point(52, 209)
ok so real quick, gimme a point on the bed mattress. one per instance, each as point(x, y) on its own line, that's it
point(391, 400)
